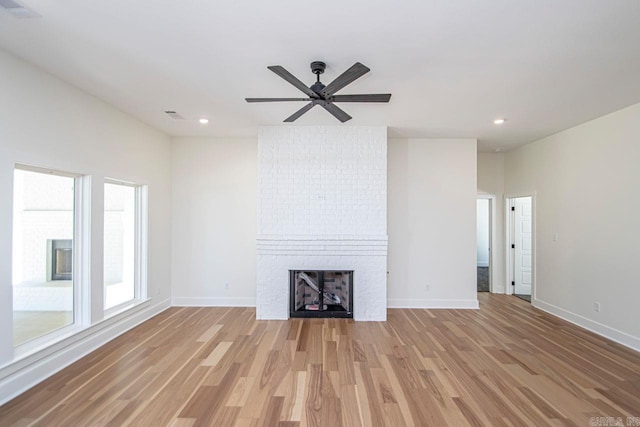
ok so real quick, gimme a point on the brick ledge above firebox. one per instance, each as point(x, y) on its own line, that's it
point(354, 245)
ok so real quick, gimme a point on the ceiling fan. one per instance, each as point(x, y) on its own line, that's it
point(325, 96)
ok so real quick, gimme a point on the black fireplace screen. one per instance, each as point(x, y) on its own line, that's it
point(321, 293)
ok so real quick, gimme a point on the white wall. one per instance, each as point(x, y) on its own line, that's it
point(491, 183)
point(482, 232)
point(214, 221)
point(46, 122)
point(586, 182)
point(430, 218)
point(432, 189)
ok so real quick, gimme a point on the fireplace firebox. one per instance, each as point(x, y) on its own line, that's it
point(321, 293)
point(59, 259)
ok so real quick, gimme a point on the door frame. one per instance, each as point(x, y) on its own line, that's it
point(492, 237)
point(508, 233)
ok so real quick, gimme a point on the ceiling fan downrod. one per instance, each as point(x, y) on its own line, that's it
point(317, 68)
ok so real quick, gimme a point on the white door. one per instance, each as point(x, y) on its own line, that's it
point(522, 253)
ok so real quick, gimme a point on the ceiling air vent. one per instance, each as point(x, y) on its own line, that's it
point(171, 113)
point(18, 10)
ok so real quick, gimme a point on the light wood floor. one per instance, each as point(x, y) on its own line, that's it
point(504, 365)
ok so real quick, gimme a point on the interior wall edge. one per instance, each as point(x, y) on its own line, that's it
point(605, 331)
point(433, 303)
point(213, 302)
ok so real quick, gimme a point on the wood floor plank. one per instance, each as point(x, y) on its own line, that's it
point(313, 404)
point(240, 392)
point(183, 422)
point(296, 411)
point(506, 364)
point(351, 410)
point(210, 333)
point(271, 415)
point(217, 354)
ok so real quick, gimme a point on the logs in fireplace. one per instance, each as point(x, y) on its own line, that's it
point(321, 293)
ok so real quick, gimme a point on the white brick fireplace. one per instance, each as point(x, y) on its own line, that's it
point(322, 205)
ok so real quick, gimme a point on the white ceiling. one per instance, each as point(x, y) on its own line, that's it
point(451, 65)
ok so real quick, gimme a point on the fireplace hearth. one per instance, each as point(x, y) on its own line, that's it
point(321, 293)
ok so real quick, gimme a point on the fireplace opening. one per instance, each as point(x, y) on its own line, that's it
point(321, 293)
point(60, 259)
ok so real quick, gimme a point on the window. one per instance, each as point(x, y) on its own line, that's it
point(44, 218)
point(122, 244)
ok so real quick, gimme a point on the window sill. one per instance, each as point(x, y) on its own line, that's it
point(31, 352)
point(124, 307)
point(42, 343)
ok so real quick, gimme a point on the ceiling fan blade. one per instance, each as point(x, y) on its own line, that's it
point(356, 71)
point(300, 112)
point(336, 112)
point(292, 79)
point(275, 99)
point(371, 97)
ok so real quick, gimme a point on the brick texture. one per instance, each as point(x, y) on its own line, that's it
point(322, 204)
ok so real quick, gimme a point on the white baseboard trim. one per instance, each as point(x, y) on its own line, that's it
point(591, 325)
point(432, 303)
point(213, 302)
point(18, 377)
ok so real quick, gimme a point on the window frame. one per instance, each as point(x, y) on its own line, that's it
point(140, 249)
point(81, 269)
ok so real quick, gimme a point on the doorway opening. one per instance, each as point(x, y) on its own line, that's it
point(520, 234)
point(483, 244)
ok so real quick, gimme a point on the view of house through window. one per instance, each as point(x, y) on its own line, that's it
point(43, 224)
point(119, 244)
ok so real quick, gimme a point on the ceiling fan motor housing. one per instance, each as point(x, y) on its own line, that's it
point(317, 87)
point(317, 67)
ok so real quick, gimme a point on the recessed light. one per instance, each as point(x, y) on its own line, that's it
point(499, 121)
point(498, 150)
point(204, 121)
